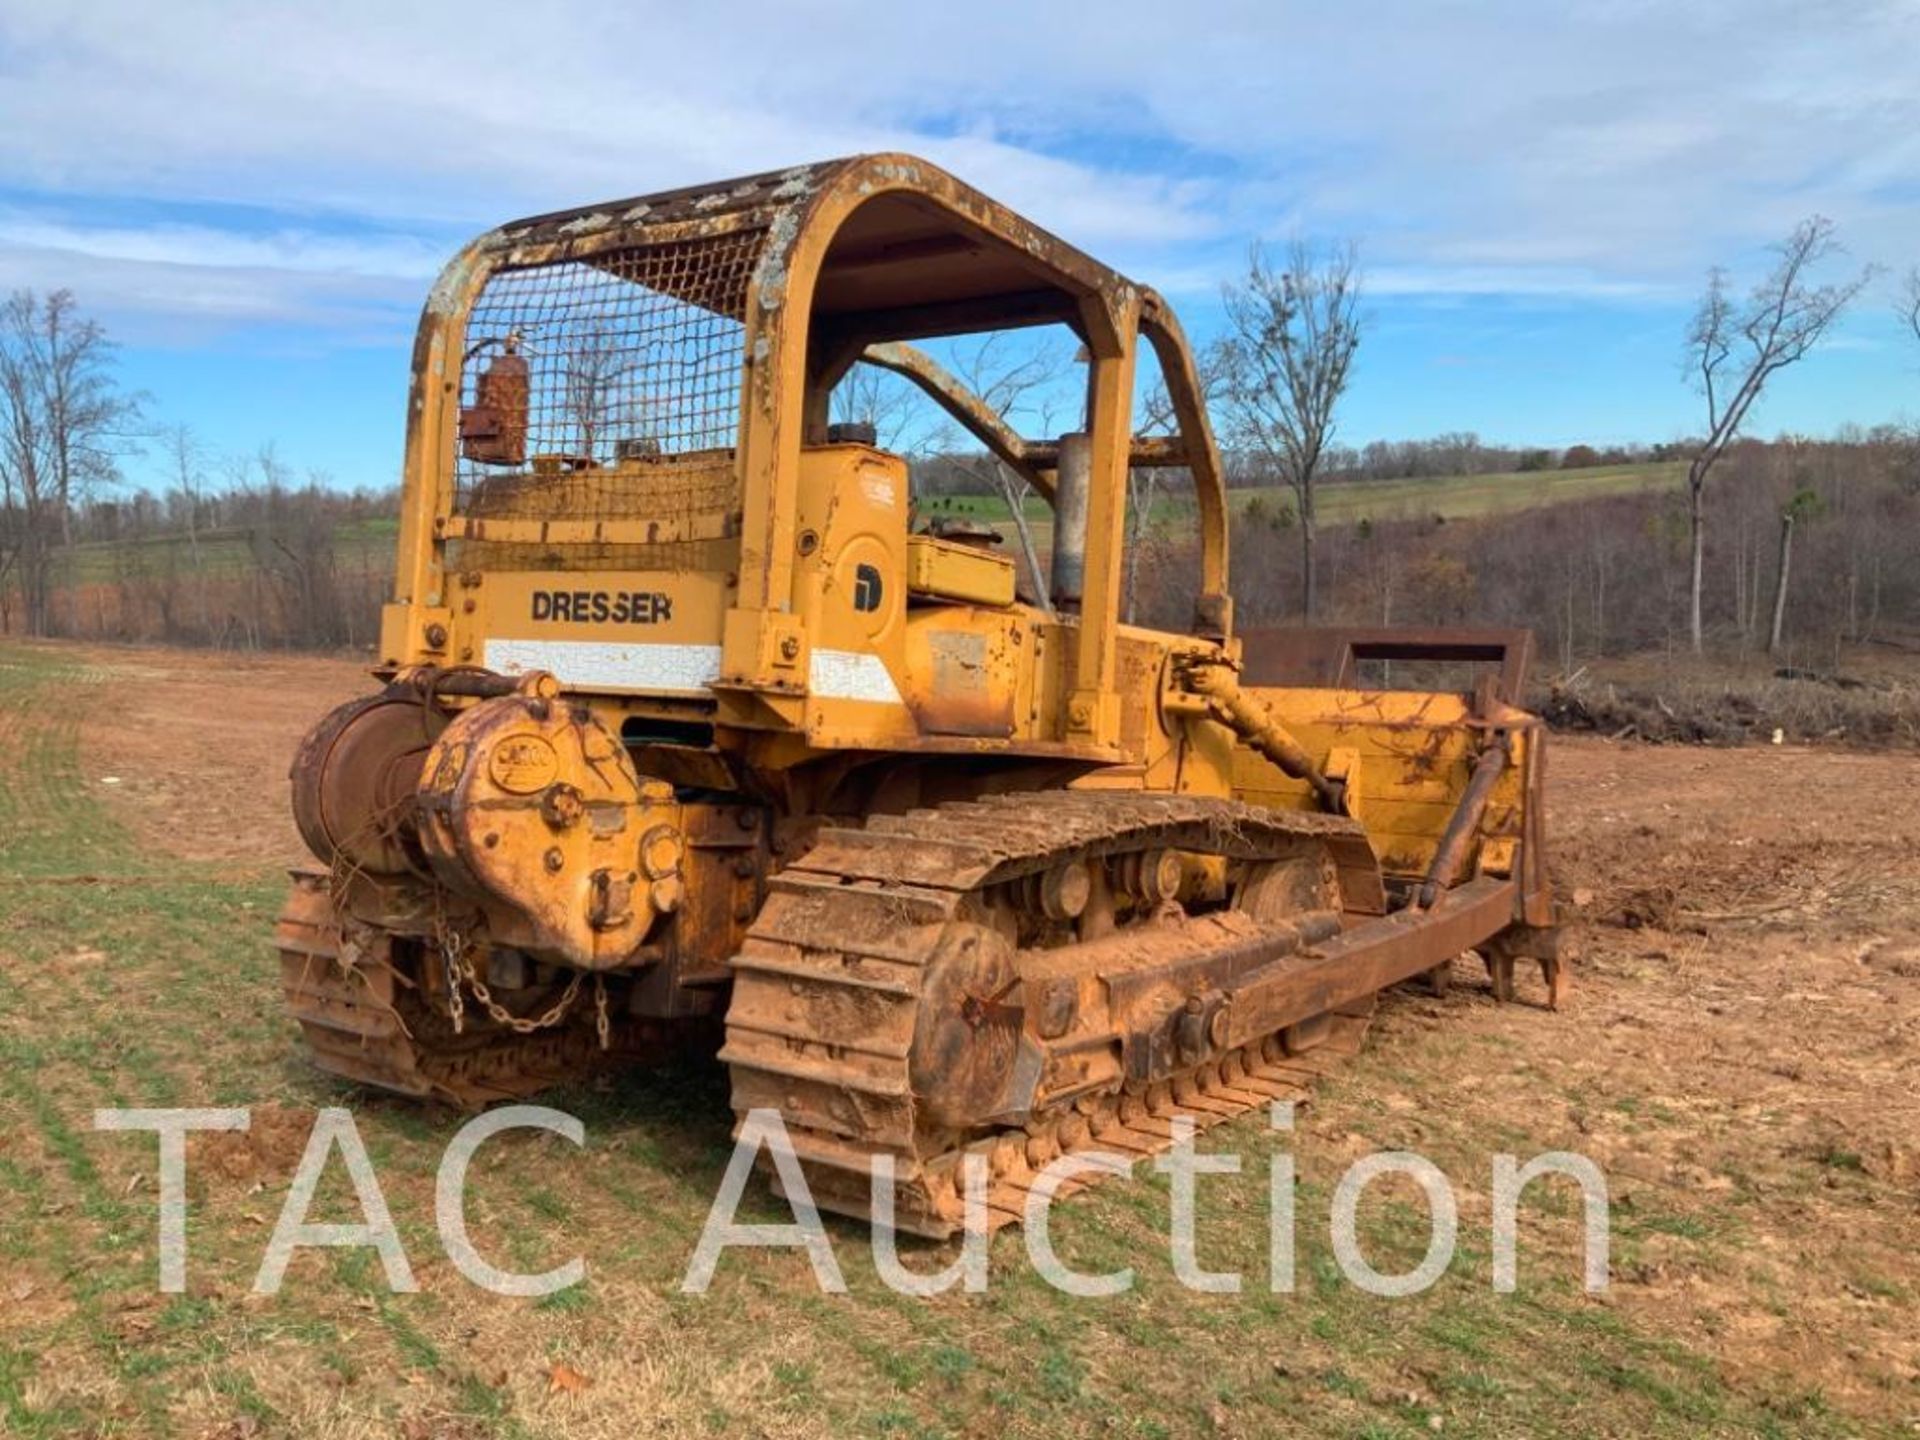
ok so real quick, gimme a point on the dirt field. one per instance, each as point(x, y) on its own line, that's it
point(1740, 1054)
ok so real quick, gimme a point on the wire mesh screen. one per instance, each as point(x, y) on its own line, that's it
point(604, 389)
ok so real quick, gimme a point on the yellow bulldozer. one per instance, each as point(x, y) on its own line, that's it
point(692, 723)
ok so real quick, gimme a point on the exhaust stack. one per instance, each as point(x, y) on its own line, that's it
point(1067, 580)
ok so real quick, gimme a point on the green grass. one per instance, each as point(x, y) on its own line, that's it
point(152, 984)
point(1464, 497)
point(1452, 497)
point(1835, 1158)
point(217, 554)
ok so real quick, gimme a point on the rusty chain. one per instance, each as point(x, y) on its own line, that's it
point(456, 1007)
point(461, 970)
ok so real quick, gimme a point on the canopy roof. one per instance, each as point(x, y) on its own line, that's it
point(921, 254)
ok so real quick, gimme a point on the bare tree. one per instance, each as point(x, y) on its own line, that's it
point(1733, 350)
point(90, 419)
point(1143, 490)
point(1910, 302)
point(24, 488)
point(1145, 482)
point(597, 378)
point(187, 458)
point(292, 541)
point(868, 395)
point(1286, 361)
point(1805, 505)
point(63, 422)
point(1030, 382)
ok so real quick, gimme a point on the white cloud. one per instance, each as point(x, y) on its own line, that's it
point(1526, 281)
point(1592, 150)
point(153, 300)
point(298, 251)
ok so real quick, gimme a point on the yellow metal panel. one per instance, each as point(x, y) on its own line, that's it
point(1414, 751)
point(850, 592)
point(948, 570)
point(1093, 708)
point(617, 631)
point(963, 670)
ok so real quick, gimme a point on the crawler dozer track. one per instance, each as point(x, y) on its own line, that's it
point(833, 985)
point(363, 1008)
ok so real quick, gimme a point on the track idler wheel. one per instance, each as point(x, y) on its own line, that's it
point(967, 1040)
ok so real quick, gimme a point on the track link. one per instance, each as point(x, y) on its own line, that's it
point(828, 989)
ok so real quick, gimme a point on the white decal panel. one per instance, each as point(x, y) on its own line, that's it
point(594, 665)
point(851, 675)
point(681, 669)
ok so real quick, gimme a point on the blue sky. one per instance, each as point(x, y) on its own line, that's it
point(254, 197)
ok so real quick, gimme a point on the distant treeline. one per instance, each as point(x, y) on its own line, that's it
point(266, 562)
point(1608, 575)
point(1465, 453)
point(1461, 453)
